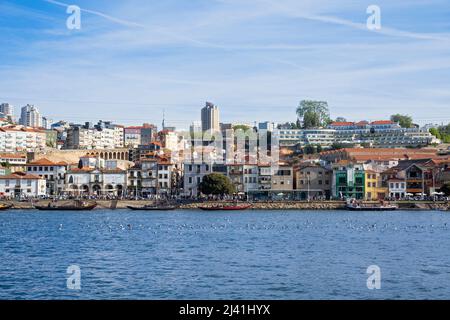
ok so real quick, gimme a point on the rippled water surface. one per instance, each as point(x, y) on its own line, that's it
point(224, 255)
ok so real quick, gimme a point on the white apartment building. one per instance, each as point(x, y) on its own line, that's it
point(118, 136)
point(383, 134)
point(30, 117)
point(95, 181)
point(397, 188)
point(290, 137)
point(7, 110)
point(20, 184)
point(165, 168)
point(79, 137)
point(17, 139)
point(14, 159)
point(193, 176)
point(54, 174)
point(244, 177)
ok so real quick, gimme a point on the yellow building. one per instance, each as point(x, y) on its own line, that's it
point(373, 186)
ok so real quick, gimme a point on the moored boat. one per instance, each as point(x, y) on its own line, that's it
point(77, 206)
point(5, 206)
point(356, 206)
point(226, 207)
point(153, 208)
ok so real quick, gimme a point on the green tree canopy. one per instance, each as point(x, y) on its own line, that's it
point(309, 149)
point(243, 127)
point(313, 113)
point(405, 121)
point(216, 184)
point(442, 133)
point(435, 132)
point(340, 119)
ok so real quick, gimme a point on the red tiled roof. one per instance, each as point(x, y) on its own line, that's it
point(12, 156)
point(382, 122)
point(20, 175)
point(341, 124)
point(46, 162)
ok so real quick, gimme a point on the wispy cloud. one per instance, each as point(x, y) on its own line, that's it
point(355, 25)
point(100, 14)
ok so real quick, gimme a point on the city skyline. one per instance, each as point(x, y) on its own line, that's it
point(256, 60)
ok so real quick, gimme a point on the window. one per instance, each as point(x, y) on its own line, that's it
point(190, 180)
point(7, 183)
point(320, 182)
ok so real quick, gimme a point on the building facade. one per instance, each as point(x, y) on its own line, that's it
point(21, 185)
point(348, 181)
point(210, 117)
point(30, 117)
point(20, 139)
point(313, 181)
point(54, 174)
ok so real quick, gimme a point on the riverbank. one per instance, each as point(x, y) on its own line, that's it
point(261, 205)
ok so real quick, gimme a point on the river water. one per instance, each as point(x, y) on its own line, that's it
point(224, 255)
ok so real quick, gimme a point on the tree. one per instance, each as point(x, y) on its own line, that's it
point(216, 184)
point(403, 120)
point(243, 127)
point(5, 164)
point(337, 146)
point(314, 113)
point(340, 119)
point(435, 132)
point(442, 133)
point(309, 149)
point(319, 148)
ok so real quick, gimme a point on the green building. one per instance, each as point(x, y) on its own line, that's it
point(348, 181)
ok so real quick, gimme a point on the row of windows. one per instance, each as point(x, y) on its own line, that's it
point(40, 169)
point(250, 180)
point(282, 182)
point(397, 185)
point(309, 172)
point(327, 182)
point(7, 182)
point(8, 190)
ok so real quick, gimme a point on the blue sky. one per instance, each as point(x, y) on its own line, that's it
point(256, 59)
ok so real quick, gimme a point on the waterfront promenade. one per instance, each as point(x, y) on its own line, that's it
point(258, 205)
